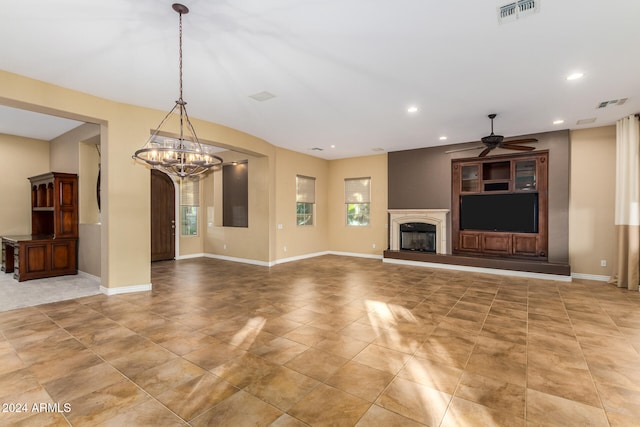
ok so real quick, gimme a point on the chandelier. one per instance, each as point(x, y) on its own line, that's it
point(183, 155)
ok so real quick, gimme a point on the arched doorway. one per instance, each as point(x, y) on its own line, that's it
point(163, 221)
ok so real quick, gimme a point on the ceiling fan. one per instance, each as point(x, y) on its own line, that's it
point(493, 141)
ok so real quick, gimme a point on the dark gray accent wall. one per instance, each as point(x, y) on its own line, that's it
point(421, 179)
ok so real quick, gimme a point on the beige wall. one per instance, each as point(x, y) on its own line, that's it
point(20, 158)
point(292, 240)
point(88, 169)
point(360, 240)
point(65, 152)
point(591, 202)
point(249, 243)
point(125, 233)
point(89, 248)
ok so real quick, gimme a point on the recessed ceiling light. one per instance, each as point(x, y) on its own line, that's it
point(412, 109)
point(333, 146)
point(558, 122)
point(443, 138)
point(575, 76)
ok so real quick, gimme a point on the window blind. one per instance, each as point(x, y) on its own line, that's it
point(305, 189)
point(357, 190)
point(190, 192)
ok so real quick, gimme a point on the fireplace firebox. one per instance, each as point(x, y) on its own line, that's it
point(418, 236)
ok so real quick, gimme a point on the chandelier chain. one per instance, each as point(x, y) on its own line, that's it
point(180, 56)
point(183, 156)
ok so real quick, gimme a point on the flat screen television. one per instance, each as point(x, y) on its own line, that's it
point(514, 212)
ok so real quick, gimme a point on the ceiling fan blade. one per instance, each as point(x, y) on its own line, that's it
point(464, 149)
point(518, 147)
point(485, 152)
point(520, 141)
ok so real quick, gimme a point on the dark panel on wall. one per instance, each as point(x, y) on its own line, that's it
point(421, 179)
point(235, 195)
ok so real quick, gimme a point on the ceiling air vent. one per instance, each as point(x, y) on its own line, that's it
point(262, 96)
point(586, 121)
point(517, 9)
point(317, 149)
point(604, 104)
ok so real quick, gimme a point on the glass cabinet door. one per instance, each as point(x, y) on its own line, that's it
point(525, 178)
point(469, 181)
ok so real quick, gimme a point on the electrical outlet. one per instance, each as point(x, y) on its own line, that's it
point(373, 246)
point(285, 249)
point(224, 246)
point(603, 263)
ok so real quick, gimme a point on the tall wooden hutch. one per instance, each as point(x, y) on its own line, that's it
point(52, 248)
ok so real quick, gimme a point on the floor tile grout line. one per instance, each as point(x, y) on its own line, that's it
point(593, 381)
point(110, 364)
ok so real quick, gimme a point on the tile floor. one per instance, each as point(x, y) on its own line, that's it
point(326, 341)
point(14, 294)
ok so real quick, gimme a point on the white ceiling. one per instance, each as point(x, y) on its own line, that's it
point(343, 72)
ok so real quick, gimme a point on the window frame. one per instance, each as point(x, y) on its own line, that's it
point(189, 201)
point(305, 198)
point(358, 200)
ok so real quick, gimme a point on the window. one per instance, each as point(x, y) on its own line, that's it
point(235, 195)
point(357, 198)
point(305, 199)
point(189, 204)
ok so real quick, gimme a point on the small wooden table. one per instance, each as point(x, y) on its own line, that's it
point(39, 256)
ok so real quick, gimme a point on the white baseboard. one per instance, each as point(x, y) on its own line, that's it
point(89, 276)
point(242, 260)
point(316, 254)
point(300, 257)
point(496, 271)
point(356, 254)
point(526, 274)
point(596, 277)
point(125, 289)
point(191, 256)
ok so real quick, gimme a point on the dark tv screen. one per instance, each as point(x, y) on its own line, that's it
point(515, 212)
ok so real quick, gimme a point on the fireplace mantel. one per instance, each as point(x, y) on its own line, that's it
point(437, 217)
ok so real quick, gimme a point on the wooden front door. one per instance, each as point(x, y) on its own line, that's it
point(163, 221)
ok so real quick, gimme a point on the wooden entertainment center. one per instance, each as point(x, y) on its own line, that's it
point(499, 206)
point(52, 248)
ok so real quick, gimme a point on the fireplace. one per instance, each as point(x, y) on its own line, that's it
point(427, 231)
point(418, 236)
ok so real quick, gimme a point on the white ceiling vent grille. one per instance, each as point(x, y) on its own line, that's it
point(604, 104)
point(517, 9)
point(262, 96)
